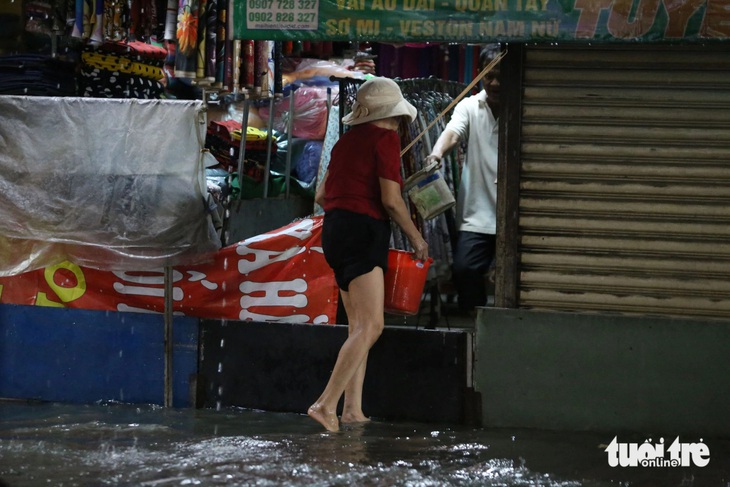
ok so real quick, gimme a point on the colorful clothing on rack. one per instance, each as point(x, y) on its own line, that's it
point(188, 15)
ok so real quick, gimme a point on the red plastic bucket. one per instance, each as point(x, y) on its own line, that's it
point(404, 282)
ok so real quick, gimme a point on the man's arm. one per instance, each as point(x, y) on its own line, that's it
point(446, 141)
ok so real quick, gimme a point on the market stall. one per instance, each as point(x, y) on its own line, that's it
point(613, 179)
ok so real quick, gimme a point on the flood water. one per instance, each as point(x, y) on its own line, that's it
point(132, 445)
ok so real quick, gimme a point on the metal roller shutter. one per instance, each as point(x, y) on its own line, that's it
point(624, 186)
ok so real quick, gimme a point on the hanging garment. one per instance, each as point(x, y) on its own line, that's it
point(202, 38)
point(211, 42)
point(187, 38)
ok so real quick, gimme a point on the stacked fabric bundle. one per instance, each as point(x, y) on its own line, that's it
point(364, 62)
point(219, 141)
point(36, 75)
point(223, 139)
point(257, 143)
point(123, 69)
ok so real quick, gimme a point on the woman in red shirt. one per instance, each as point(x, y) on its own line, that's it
point(361, 194)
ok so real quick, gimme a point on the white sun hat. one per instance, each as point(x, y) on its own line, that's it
point(379, 98)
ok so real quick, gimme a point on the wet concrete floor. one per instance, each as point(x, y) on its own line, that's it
point(146, 445)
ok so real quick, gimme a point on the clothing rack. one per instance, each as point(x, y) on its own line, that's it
point(432, 96)
point(347, 94)
point(431, 84)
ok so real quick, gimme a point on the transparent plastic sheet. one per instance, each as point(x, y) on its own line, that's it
point(114, 184)
point(308, 69)
point(310, 112)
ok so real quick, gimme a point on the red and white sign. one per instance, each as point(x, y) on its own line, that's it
point(278, 276)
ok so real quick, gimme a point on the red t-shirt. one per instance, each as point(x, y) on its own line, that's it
point(360, 157)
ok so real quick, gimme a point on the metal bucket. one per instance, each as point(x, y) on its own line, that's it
point(429, 192)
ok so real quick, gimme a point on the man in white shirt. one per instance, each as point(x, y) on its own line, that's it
point(475, 119)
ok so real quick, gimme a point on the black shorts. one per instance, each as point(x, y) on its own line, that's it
point(354, 244)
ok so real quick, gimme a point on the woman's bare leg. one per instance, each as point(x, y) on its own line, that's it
point(352, 407)
point(366, 321)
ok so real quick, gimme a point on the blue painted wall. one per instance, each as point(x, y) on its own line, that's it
point(83, 356)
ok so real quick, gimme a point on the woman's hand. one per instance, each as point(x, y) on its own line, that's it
point(420, 248)
point(394, 204)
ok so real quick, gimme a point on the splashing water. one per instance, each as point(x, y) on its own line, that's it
point(133, 445)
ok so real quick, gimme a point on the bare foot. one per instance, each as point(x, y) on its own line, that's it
point(326, 419)
point(359, 417)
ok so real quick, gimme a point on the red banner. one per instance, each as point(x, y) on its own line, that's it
point(278, 276)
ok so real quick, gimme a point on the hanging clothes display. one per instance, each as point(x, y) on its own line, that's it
point(187, 38)
point(431, 97)
point(200, 50)
point(211, 43)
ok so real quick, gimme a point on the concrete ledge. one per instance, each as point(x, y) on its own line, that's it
point(412, 374)
point(570, 371)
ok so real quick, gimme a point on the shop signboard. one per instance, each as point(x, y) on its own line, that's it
point(482, 21)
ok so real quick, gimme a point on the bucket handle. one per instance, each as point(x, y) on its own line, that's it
point(417, 176)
